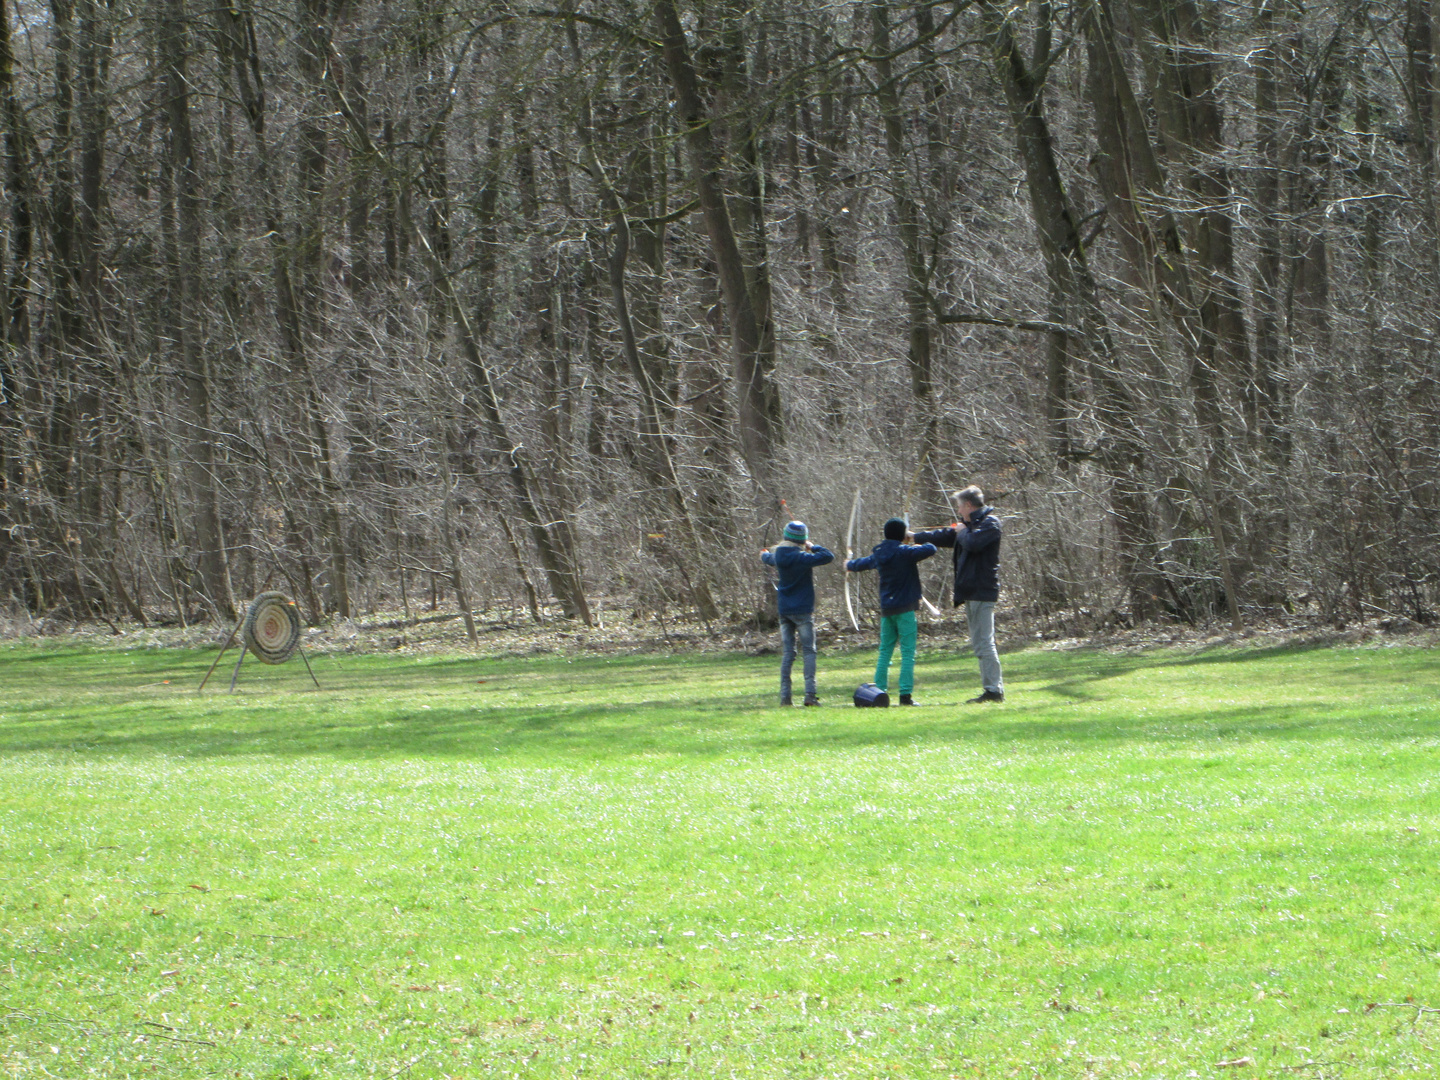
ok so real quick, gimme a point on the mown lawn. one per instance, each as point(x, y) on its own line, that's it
point(1140, 866)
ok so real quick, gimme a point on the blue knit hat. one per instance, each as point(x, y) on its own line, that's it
point(796, 532)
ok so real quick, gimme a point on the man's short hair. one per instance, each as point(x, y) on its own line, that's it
point(972, 495)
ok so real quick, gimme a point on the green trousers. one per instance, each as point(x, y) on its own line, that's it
point(893, 628)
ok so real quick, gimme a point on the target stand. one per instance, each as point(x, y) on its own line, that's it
point(270, 629)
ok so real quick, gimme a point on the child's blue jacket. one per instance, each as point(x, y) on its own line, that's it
point(796, 588)
point(899, 573)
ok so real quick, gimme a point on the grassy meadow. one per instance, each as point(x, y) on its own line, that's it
point(1149, 865)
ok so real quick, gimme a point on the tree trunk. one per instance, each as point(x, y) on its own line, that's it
point(15, 286)
point(1187, 106)
point(751, 332)
point(1276, 150)
point(911, 228)
point(240, 49)
point(1133, 183)
point(360, 274)
point(824, 139)
point(200, 459)
point(452, 553)
point(1123, 452)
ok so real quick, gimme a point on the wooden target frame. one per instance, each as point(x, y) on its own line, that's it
point(270, 628)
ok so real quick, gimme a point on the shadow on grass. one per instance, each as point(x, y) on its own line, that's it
point(119, 704)
point(597, 733)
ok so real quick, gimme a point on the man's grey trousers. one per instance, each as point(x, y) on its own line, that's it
point(980, 614)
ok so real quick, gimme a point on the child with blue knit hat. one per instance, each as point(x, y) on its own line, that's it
point(795, 557)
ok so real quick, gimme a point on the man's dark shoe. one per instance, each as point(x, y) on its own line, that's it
point(987, 697)
point(906, 699)
point(787, 700)
point(811, 699)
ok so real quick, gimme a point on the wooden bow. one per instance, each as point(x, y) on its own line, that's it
point(850, 554)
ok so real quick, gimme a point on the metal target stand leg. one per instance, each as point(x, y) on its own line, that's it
point(236, 673)
point(223, 650)
point(307, 666)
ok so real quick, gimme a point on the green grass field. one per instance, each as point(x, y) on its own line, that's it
point(1141, 866)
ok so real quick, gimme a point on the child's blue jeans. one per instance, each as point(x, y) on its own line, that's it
point(792, 627)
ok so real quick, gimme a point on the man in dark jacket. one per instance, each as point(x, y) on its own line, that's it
point(976, 540)
point(897, 562)
point(795, 557)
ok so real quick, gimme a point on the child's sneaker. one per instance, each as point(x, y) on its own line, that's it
point(811, 699)
point(906, 699)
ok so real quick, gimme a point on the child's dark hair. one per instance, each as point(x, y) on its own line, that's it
point(895, 529)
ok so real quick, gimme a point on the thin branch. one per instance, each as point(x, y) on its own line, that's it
point(623, 32)
point(1039, 326)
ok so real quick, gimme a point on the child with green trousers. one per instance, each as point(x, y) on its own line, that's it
point(899, 566)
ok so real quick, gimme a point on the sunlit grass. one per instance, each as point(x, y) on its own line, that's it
point(1139, 866)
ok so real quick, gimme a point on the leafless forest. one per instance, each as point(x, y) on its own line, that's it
point(561, 311)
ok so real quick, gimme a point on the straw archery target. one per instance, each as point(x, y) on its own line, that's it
point(272, 627)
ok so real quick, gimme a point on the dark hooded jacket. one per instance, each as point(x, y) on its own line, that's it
point(977, 555)
point(899, 573)
point(795, 591)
